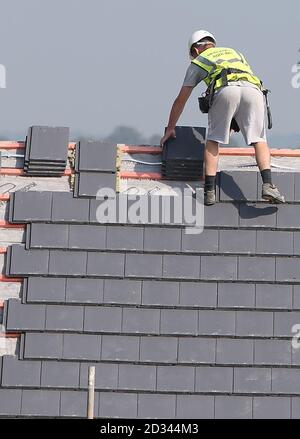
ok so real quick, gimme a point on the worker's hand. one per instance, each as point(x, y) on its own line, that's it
point(170, 133)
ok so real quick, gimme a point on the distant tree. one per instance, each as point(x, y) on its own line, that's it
point(125, 134)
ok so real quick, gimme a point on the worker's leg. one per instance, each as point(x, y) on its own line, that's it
point(211, 167)
point(251, 120)
point(220, 116)
point(211, 158)
point(263, 155)
point(263, 159)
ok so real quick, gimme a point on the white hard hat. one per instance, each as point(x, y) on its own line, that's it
point(200, 35)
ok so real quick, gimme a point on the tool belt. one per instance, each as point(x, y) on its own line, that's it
point(206, 100)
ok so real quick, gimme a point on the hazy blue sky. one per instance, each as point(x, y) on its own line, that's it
point(95, 64)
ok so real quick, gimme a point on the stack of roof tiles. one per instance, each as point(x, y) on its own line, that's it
point(178, 325)
point(183, 157)
point(95, 167)
point(46, 151)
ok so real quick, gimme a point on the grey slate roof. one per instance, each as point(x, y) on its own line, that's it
point(177, 326)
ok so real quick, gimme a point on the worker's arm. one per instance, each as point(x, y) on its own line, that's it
point(176, 111)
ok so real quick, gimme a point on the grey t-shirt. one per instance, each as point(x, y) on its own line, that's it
point(195, 74)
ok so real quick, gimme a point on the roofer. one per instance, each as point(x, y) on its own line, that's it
point(234, 100)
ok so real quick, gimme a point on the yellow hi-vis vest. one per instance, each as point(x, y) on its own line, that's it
point(217, 59)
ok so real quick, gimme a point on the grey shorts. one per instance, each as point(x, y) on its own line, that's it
point(246, 105)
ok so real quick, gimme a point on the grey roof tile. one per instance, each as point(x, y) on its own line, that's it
point(256, 268)
point(284, 322)
point(277, 243)
point(237, 241)
point(182, 322)
point(225, 215)
point(96, 156)
point(286, 381)
point(295, 352)
point(122, 348)
point(67, 208)
point(272, 352)
point(106, 376)
point(47, 236)
point(67, 263)
point(236, 295)
point(10, 402)
point(295, 408)
point(117, 405)
point(274, 296)
point(90, 183)
point(136, 377)
point(271, 408)
point(102, 319)
point(16, 373)
point(252, 380)
point(162, 239)
point(122, 291)
point(24, 317)
point(288, 217)
point(158, 349)
point(138, 320)
point(43, 289)
point(105, 264)
point(219, 267)
point(160, 293)
point(196, 350)
point(31, 206)
point(47, 144)
point(233, 407)
point(255, 215)
point(60, 374)
point(287, 269)
point(74, 404)
point(143, 265)
point(156, 406)
point(40, 403)
point(195, 407)
point(254, 323)
point(216, 323)
point(82, 347)
point(238, 185)
point(296, 296)
point(87, 237)
point(297, 186)
point(198, 294)
point(84, 290)
point(296, 244)
point(125, 238)
point(214, 379)
point(64, 318)
point(25, 262)
point(176, 378)
point(206, 242)
point(181, 266)
point(43, 345)
point(234, 351)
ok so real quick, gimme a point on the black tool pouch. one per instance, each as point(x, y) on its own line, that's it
point(204, 104)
